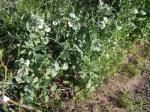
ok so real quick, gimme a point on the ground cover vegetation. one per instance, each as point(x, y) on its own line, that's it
point(55, 50)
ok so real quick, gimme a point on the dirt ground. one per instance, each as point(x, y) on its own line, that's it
point(107, 98)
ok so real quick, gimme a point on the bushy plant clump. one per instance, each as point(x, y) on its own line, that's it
point(55, 50)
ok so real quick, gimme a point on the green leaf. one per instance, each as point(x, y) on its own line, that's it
point(65, 82)
point(76, 88)
point(35, 80)
point(48, 15)
point(46, 98)
point(53, 88)
point(64, 55)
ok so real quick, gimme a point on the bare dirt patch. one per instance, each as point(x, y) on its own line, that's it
point(105, 98)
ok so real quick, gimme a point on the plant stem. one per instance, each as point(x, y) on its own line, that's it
point(5, 77)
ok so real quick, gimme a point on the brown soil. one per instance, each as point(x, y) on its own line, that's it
point(104, 99)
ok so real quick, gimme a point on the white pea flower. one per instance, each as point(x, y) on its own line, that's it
point(73, 67)
point(56, 65)
point(5, 99)
point(135, 11)
point(101, 2)
point(72, 15)
point(118, 27)
point(67, 35)
point(41, 21)
point(70, 24)
point(65, 66)
point(55, 23)
point(143, 12)
point(27, 63)
point(53, 73)
point(102, 25)
point(40, 26)
point(105, 19)
point(25, 71)
point(48, 29)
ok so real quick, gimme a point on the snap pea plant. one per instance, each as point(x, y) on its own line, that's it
point(55, 50)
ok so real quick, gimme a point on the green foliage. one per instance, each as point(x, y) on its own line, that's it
point(56, 49)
